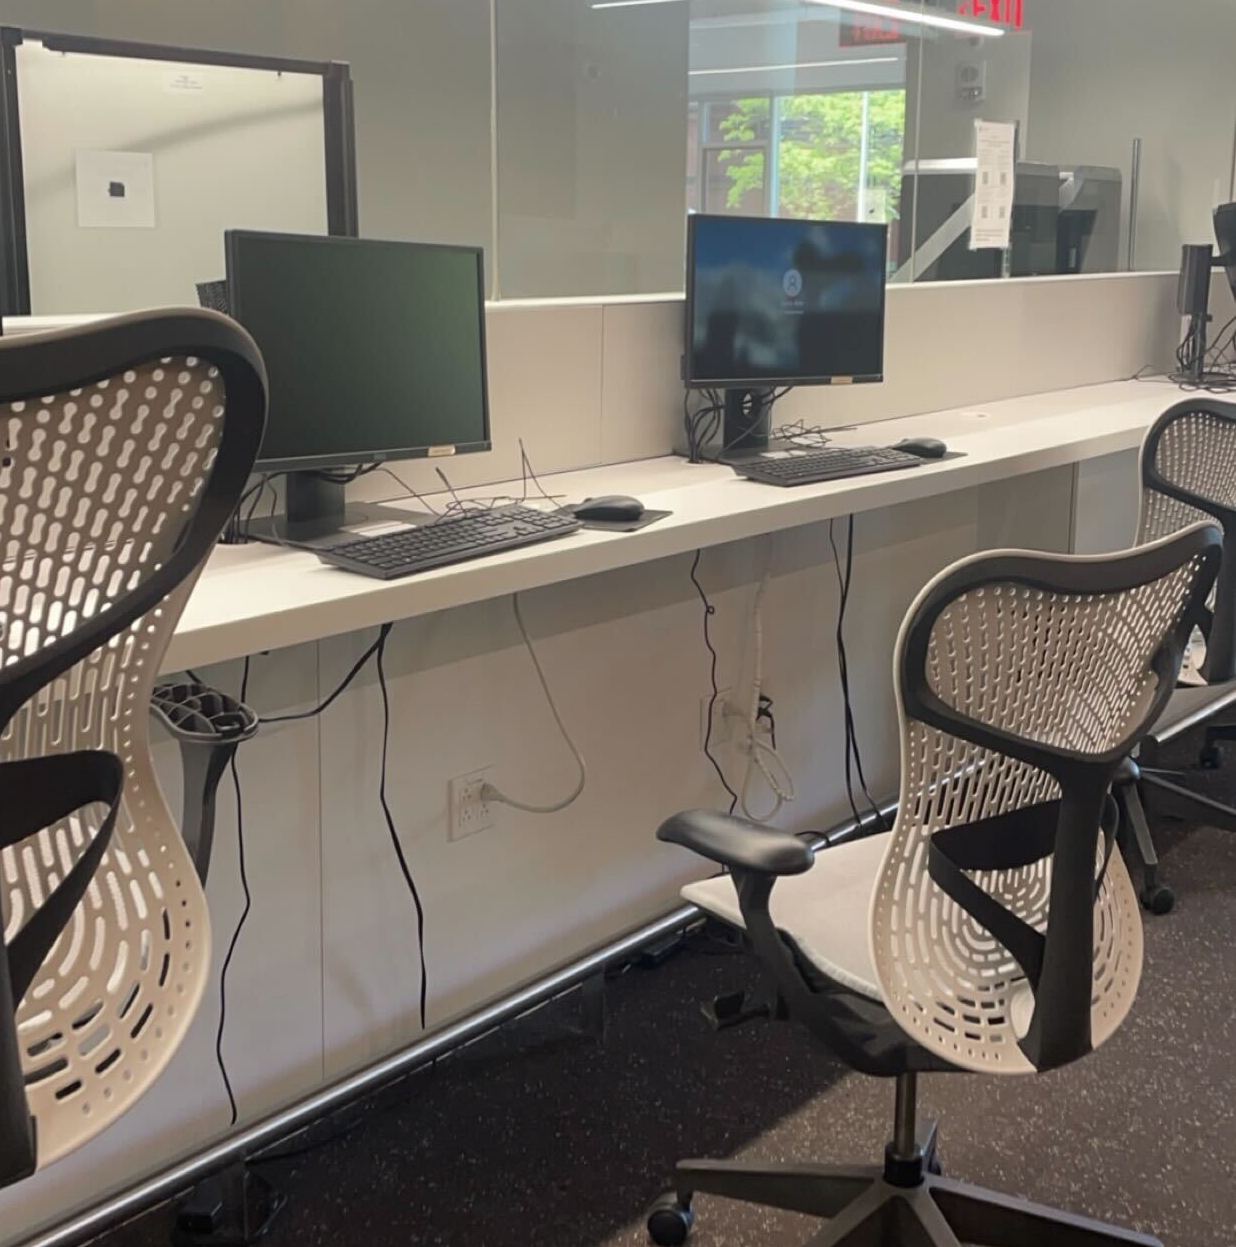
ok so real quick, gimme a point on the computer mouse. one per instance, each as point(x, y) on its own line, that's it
point(923, 447)
point(614, 508)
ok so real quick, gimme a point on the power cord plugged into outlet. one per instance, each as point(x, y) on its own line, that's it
point(752, 730)
point(760, 730)
point(489, 793)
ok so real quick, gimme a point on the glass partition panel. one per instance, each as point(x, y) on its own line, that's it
point(1086, 85)
point(617, 117)
point(592, 126)
point(800, 110)
point(421, 82)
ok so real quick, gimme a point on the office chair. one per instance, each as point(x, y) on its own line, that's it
point(1188, 472)
point(993, 929)
point(126, 445)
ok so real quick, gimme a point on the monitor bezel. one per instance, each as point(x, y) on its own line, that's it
point(760, 383)
point(1223, 216)
point(311, 463)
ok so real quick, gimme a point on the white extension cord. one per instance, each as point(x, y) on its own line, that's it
point(488, 791)
point(762, 758)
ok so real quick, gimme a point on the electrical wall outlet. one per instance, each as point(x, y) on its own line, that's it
point(722, 718)
point(468, 811)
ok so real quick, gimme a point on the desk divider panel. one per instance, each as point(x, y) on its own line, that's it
point(589, 383)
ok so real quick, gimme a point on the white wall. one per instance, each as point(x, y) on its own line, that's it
point(941, 123)
point(1107, 71)
point(244, 149)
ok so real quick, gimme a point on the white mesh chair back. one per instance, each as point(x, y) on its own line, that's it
point(1188, 473)
point(1005, 933)
point(125, 446)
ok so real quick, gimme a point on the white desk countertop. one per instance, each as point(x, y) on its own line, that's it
point(257, 597)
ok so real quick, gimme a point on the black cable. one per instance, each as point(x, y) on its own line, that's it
point(253, 489)
point(238, 530)
point(529, 471)
point(801, 431)
point(702, 425)
point(376, 648)
point(853, 753)
point(464, 506)
point(390, 822)
point(257, 502)
point(244, 915)
point(409, 492)
point(839, 642)
point(1218, 365)
point(455, 498)
point(339, 689)
point(756, 408)
point(849, 708)
point(709, 611)
point(295, 1153)
point(765, 714)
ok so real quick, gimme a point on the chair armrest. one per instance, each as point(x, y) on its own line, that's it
point(738, 843)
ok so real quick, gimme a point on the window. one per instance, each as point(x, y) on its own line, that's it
point(834, 155)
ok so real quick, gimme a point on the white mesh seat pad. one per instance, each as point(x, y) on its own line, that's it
point(825, 911)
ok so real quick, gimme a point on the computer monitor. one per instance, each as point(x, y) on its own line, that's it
point(774, 302)
point(1225, 234)
point(374, 350)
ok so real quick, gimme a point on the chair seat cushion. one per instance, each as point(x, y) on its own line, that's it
point(826, 911)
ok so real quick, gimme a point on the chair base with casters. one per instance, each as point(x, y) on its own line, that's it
point(819, 916)
point(1142, 789)
point(1186, 472)
point(995, 928)
point(233, 1209)
point(907, 1202)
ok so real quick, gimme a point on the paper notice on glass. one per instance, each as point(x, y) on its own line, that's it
point(995, 144)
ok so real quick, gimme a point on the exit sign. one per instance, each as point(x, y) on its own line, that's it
point(867, 31)
point(1010, 13)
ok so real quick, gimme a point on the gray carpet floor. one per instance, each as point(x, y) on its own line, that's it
point(535, 1137)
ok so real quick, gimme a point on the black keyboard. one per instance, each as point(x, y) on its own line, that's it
point(830, 463)
point(451, 539)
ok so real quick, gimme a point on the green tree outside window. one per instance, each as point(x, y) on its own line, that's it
point(819, 150)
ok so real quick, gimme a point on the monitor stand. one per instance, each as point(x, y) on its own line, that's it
point(748, 421)
point(317, 516)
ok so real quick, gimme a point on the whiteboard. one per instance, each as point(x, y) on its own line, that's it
point(230, 147)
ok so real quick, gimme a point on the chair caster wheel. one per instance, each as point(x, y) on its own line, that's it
point(1158, 899)
point(670, 1221)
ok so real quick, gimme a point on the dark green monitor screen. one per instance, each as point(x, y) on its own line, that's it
point(374, 350)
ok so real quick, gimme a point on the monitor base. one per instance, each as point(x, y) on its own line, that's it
point(317, 517)
point(748, 419)
point(322, 534)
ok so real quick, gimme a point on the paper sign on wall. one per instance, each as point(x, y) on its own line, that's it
point(115, 190)
point(184, 80)
point(995, 146)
